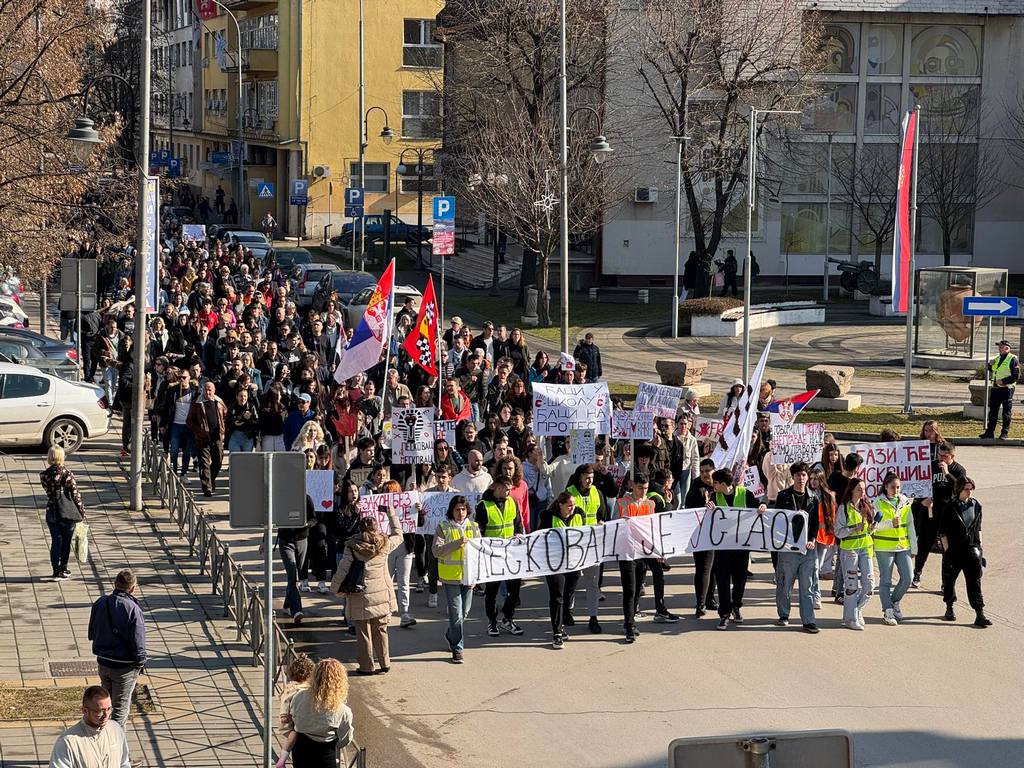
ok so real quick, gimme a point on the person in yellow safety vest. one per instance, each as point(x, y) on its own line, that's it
point(564, 512)
point(1004, 372)
point(731, 565)
point(449, 549)
point(498, 517)
point(593, 505)
point(855, 521)
point(895, 543)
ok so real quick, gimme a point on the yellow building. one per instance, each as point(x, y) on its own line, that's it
point(300, 108)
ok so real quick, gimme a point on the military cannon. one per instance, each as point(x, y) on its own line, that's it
point(857, 276)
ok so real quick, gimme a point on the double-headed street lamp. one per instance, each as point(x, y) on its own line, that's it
point(751, 202)
point(387, 135)
point(402, 170)
point(170, 124)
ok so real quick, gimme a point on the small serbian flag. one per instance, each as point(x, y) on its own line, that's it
point(785, 411)
point(421, 343)
point(901, 245)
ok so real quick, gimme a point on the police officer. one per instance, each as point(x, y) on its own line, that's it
point(1004, 370)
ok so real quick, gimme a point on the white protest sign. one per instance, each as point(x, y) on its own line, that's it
point(434, 508)
point(404, 505)
point(662, 399)
point(751, 480)
point(632, 425)
point(412, 435)
point(444, 429)
point(558, 409)
point(582, 448)
point(776, 530)
point(910, 459)
point(193, 233)
point(707, 429)
point(320, 488)
point(797, 442)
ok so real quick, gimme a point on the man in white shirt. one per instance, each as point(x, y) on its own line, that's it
point(93, 740)
point(473, 478)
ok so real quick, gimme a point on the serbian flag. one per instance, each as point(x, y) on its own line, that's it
point(207, 9)
point(421, 343)
point(901, 245)
point(363, 351)
point(785, 411)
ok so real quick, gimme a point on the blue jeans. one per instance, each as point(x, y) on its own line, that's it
point(120, 683)
point(825, 555)
point(60, 543)
point(181, 440)
point(904, 564)
point(858, 577)
point(239, 441)
point(460, 599)
point(293, 555)
point(110, 384)
point(799, 567)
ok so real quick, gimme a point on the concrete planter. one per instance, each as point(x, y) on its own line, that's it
point(730, 322)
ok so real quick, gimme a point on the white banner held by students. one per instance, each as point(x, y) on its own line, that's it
point(776, 530)
point(910, 459)
point(797, 442)
point(632, 425)
point(412, 435)
point(662, 399)
point(558, 409)
point(735, 441)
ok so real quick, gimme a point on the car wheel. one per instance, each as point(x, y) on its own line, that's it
point(65, 433)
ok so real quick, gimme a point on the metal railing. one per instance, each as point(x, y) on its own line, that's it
point(242, 601)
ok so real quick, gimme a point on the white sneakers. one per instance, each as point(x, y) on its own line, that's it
point(853, 625)
point(304, 585)
point(897, 612)
point(888, 618)
point(322, 588)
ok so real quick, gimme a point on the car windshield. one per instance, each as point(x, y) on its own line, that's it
point(292, 257)
point(352, 282)
point(250, 237)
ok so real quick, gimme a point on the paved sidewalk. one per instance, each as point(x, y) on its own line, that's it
point(202, 681)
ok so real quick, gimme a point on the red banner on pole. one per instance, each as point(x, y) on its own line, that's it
point(901, 245)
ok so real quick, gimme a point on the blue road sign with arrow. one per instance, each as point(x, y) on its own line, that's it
point(991, 306)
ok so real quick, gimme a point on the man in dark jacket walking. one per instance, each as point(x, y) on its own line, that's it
point(587, 352)
point(798, 566)
point(118, 634)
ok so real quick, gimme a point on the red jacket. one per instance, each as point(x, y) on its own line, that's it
point(448, 410)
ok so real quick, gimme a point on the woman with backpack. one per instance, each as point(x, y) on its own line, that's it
point(64, 510)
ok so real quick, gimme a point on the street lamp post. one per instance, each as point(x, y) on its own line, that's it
point(751, 202)
point(387, 135)
point(828, 219)
point(402, 170)
point(680, 146)
point(170, 124)
point(243, 193)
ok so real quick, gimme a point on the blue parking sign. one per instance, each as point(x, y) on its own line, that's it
point(299, 192)
point(353, 196)
point(444, 209)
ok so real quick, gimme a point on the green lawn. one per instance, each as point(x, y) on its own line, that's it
point(583, 313)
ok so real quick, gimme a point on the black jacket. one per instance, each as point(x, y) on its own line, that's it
point(118, 631)
point(787, 500)
point(960, 537)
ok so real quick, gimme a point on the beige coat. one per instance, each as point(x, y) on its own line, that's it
point(378, 599)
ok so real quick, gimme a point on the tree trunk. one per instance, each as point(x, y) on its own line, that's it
point(543, 315)
point(947, 248)
point(878, 256)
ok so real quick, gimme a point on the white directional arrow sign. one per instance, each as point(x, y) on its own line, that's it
point(990, 306)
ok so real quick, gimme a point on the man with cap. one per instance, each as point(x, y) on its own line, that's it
point(451, 333)
point(1004, 371)
point(293, 423)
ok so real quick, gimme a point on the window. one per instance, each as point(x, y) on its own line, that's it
point(840, 48)
point(421, 115)
point(410, 181)
point(961, 235)
point(23, 385)
point(259, 32)
point(882, 110)
point(952, 109)
point(945, 51)
point(835, 111)
point(377, 176)
point(885, 49)
point(804, 224)
point(419, 49)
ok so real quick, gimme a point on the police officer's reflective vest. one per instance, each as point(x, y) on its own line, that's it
point(588, 504)
point(856, 540)
point(449, 567)
point(893, 539)
point(1002, 369)
point(501, 521)
point(575, 520)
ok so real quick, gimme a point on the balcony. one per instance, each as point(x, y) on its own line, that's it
point(255, 61)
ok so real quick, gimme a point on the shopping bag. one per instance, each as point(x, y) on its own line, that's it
point(719, 280)
point(80, 541)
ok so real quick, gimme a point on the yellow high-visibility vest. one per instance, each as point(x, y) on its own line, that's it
point(449, 567)
point(589, 504)
point(893, 539)
point(501, 522)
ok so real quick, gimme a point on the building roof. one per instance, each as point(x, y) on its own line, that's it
point(970, 7)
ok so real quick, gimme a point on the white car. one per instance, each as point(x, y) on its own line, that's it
point(354, 309)
point(37, 408)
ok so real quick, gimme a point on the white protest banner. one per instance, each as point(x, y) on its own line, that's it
point(582, 447)
point(412, 435)
point(732, 448)
point(707, 429)
point(193, 233)
point(751, 480)
point(797, 442)
point(776, 530)
point(320, 488)
point(662, 399)
point(665, 535)
point(444, 429)
point(910, 459)
point(404, 504)
point(632, 425)
point(558, 409)
point(434, 507)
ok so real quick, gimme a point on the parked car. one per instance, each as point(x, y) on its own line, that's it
point(37, 408)
point(52, 349)
point(11, 313)
point(400, 231)
point(286, 258)
point(345, 283)
point(357, 306)
point(67, 371)
point(255, 241)
point(305, 278)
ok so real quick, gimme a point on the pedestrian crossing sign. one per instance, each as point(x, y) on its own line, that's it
point(265, 190)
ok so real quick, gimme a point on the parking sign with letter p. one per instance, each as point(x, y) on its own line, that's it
point(444, 209)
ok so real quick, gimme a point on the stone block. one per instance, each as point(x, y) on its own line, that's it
point(977, 388)
point(834, 381)
point(682, 372)
point(848, 403)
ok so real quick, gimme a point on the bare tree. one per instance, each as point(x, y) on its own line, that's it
point(957, 171)
point(705, 64)
point(502, 117)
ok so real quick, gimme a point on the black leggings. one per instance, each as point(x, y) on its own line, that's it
point(703, 580)
point(508, 608)
point(309, 753)
point(560, 590)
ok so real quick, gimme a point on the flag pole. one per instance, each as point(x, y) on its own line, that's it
point(389, 329)
point(908, 408)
